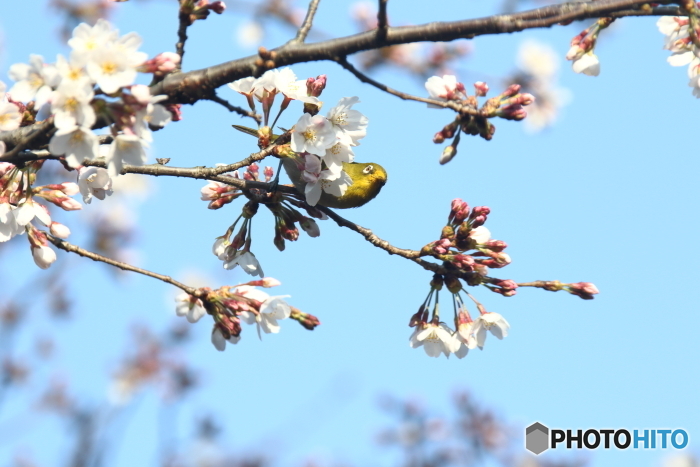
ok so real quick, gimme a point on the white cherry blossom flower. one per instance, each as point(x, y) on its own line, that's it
point(444, 89)
point(76, 143)
point(34, 81)
point(94, 181)
point(672, 26)
point(70, 104)
point(318, 181)
point(336, 155)
point(190, 307)
point(217, 338)
point(44, 256)
point(247, 261)
point(271, 310)
point(10, 117)
point(350, 125)
point(8, 224)
point(480, 234)
point(70, 70)
point(129, 149)
point(266, 86)
point(436, 339)
point(538, 59)
point(313, 135)
point(288, 84)
point(114, 66)
point(219, 247)
point(26, 212)
point(88, 41)
point(493, 322)
point(587, 64)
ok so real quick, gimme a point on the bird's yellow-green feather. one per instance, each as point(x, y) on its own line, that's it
point(368, 178)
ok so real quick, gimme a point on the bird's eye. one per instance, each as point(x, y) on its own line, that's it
point(368, 170)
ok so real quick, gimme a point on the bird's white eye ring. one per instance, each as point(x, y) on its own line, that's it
point(368, 170)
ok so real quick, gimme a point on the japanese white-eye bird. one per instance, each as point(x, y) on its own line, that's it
point(368, 178)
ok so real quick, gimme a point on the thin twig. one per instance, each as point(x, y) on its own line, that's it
point(184, 20)
point(382, 20)
point(63, 245)
point(413, 255)
point(232, 108)
point(407, 97)
point(306, 25)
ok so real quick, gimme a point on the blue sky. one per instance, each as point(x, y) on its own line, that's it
point(608, 195)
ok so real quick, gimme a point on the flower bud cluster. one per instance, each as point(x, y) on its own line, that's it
point(473, 120)
point(228, 306)
point(463, 233)
point(19, 208)
point(99, 57)
point(193, 10)
point(582, 48)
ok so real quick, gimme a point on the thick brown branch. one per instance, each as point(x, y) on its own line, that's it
point(63, 245)
point(306, 25)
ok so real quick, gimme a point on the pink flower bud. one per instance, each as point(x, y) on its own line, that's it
point(69, 188)
point(270, 282)
point(218, 7)
point(511, 90)
point(314, 86)
point(481, 88)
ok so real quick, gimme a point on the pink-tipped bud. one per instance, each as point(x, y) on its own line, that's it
point(315, 86)
point(268, 172)
point(496, 245)
point(175, 110)
point(268, 282)
point(69, 188)
point(439, 138)
point(511, 90)
point(481, 88)
point(218, 7)
point(585, 290)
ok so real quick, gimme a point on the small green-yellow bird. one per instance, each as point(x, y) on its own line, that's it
point(367, 180)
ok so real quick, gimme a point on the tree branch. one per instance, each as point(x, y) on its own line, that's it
point(63, 245)
point(382, 20)
point(306, 25)
point(188, 88)
point(184, 23)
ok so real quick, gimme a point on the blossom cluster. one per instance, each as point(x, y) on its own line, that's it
point(582, 56)
point(472, 119)
point(228, 306)
point(235, 250)
point(319, 144)
point(66, 89)
point(467, 253)
point(683, 49)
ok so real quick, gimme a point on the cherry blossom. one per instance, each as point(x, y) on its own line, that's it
point(313, 134)
point(317, 180)
point(489, 321)
point(190, 307)
point(350, 125)
point(33, 81)
point(436, 339)
point(77, 143)
point(94, 181)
